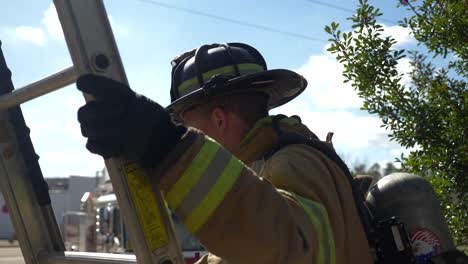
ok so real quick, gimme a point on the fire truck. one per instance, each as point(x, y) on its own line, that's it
point(99, 227)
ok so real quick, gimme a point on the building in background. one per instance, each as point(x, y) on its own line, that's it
point(65, 195)
point(6, 228)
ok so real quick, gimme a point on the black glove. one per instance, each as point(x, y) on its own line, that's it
point(121, 123)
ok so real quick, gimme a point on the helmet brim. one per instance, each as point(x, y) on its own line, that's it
point(280, 85)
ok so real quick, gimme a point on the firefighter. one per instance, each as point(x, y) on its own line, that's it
point(247, 198)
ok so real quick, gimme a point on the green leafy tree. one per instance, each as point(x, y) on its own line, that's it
point(359, 168)
point(430, 113)
point(374, 170)
point(389, 169)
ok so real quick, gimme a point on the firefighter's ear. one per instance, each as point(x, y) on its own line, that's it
point(219, 119)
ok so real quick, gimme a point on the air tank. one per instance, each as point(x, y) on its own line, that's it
point(413, 201)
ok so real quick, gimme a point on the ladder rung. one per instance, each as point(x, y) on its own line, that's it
point(39, 88)
point(88, 258)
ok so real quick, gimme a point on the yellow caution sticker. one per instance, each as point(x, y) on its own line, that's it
point(146, 205)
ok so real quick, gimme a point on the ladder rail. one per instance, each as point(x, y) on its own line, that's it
point(22, 184)
point(93, 50)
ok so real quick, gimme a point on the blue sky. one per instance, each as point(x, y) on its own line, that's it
point(149, 35)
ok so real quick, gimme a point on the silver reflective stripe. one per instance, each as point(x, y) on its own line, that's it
point(204, 184)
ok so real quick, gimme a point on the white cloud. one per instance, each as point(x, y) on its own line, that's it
point(350, 130)
point(326, 89)
point(52, 23)
point(33, 35)
point(397, 151)
point(400, 34)
point(53, 29)
point(382, 140)
point(67, 155)
point(332, 101)
point(329, 105)
point(404, 67)
point(67, 163)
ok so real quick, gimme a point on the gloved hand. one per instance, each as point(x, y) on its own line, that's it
point(121, 123)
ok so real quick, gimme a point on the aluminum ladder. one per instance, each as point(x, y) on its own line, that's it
point(93, 50)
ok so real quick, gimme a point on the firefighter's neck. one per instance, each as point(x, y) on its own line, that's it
point(227, 128)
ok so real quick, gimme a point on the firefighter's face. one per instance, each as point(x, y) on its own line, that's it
point(224, 127)
point(199, 120)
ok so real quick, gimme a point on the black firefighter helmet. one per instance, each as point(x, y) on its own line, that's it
point(224, 69)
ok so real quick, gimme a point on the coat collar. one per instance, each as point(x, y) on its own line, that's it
point(262, 138)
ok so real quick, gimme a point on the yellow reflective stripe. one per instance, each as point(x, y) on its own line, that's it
point(332, 242)
point(267, 122)
point(192, 174)
point(289, 121)
point(226, 69)
point(319, 218)
point(215, 196)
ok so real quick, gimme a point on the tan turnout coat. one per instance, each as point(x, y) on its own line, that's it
point(295, 207)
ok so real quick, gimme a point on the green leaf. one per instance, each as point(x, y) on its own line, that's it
point(334, 25)
point(430, 111)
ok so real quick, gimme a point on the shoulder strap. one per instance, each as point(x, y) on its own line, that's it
point(285, 139)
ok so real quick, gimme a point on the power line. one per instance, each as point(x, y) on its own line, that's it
point(234, 21)
point(331, 6)
point(337, 7)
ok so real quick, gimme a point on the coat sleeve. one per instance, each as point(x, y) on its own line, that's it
point(235, 214)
